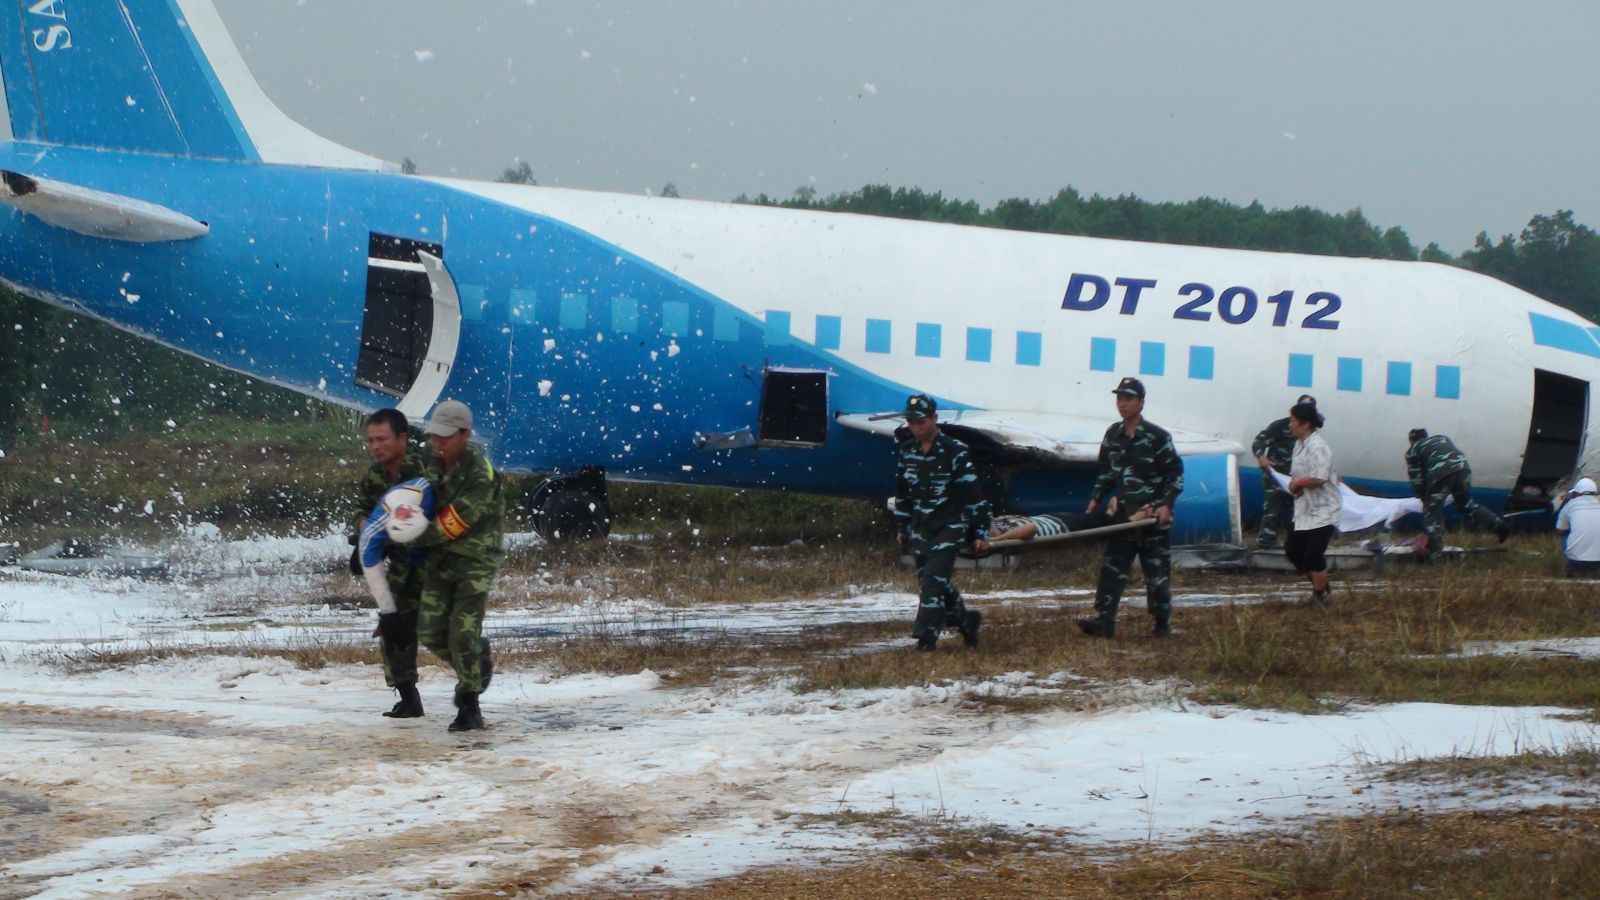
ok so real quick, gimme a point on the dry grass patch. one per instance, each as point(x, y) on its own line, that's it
point(1578, 763)
point(685, 658)
point(310, 651)
point(1548, 852)
point(680, 572)
point(1388, 642)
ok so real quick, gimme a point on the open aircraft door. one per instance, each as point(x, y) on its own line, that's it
point(794, 408)
point(411, 323)
point(1555, 439)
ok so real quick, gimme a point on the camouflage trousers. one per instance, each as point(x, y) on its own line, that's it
point(1153, 546)
point(400, 660)
point(1456, 485)
point(1277, 510)
point(455, 593)
point(939, 603)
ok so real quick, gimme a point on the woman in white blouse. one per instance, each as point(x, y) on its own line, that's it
point(1315, 486)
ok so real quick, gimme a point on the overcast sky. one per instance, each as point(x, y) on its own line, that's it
point(1445, 118)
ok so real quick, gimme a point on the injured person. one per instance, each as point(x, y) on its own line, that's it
point(1049, 525)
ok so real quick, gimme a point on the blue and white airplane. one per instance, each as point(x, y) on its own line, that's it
point(150, 183)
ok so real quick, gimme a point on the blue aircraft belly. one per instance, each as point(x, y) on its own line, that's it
point(277, 290)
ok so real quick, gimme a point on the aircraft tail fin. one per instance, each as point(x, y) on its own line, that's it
point(145, 76)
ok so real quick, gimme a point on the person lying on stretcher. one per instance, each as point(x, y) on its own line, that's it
point(1026, 528)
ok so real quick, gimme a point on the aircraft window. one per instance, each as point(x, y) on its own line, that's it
point(1349, 374)
point(624, 314)
point(523, 305)
point(1447, 383)
point(778, 323)
point(675, 318)
point(574, 310)
point(1103, 354)
point(980, 344)
point(828, 328)
point(725, 326)
point(398, 320)
point(878, 333)
point(1202, 362)
point(929, 339)
point(1030, 345)
point(474, 298)
point(1399, 381)
point(794, 408)
point(1300, 369)
point(1152, 358)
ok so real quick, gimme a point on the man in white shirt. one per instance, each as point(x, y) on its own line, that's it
point(1579, 520)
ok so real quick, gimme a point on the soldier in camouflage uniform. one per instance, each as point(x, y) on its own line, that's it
point(393, 461)
point(1139, 463)
point(938, 506)
point(1273, 448)
point(464, 554)
point(1440, 471)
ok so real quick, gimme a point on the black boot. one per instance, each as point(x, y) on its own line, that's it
point(468, 716)
point(485, 661)
point(928, 643)
point(970, 622)
point(1100, 626)
point(1163, 627)
point(409, 705)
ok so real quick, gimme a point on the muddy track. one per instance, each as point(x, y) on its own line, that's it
point(169, 804)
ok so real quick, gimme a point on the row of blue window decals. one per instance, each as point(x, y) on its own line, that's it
point(1029, 348)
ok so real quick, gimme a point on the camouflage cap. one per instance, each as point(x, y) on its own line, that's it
point(920, 406)
point(1416, 434)
point(1306, 398)
point(1129, 387)
point(449, 417)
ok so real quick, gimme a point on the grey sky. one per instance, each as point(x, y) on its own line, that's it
point(1443, 118)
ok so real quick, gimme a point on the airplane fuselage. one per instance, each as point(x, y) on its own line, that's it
point(619, 331)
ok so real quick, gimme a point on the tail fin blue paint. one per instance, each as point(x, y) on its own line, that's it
point(115, 74)
point(146, 76)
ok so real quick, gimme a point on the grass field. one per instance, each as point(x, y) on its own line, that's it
point(1396, 635)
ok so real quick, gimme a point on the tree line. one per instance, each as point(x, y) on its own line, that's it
point(1554, 257)
point(61, 371)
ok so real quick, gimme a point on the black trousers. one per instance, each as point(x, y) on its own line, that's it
point(1307, 549)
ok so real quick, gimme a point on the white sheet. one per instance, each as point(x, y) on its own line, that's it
point(1361, 511)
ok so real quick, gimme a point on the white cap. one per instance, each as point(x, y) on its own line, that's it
point(1584, 484)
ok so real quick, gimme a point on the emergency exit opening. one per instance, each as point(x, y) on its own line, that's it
point(1555, 438)
point(794, 408)
point(398, 320)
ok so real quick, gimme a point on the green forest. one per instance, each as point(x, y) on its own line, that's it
point(67, 375)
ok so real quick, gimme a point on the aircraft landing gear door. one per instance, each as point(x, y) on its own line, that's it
point(794, 408)
point(412, 322)
point(1555, 438)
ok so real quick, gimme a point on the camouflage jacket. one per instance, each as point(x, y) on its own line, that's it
point(1275, 443)
point(1142, 469)
point(376, 482)
point(939, 488)
point(472, 509)
point(1432, 458)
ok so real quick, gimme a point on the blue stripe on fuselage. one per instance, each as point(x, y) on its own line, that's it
point(277, 290)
